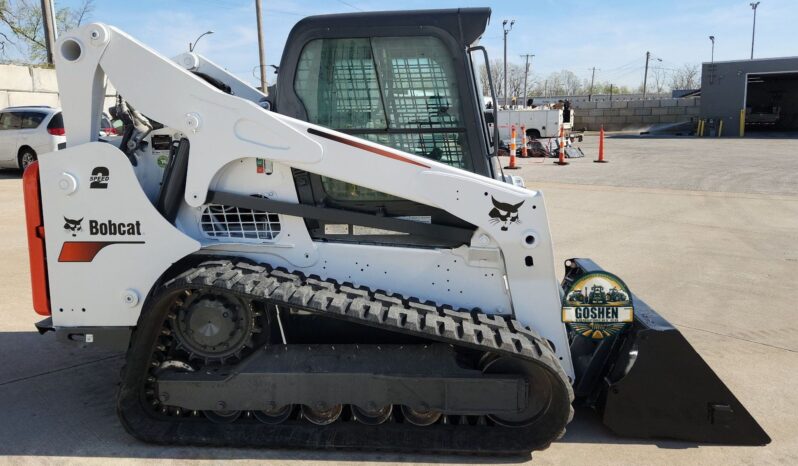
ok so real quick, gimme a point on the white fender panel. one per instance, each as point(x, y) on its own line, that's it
point(100, 275)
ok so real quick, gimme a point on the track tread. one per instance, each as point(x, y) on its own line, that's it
point(473, 329)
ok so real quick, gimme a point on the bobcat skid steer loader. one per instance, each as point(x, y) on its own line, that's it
point(341, 264)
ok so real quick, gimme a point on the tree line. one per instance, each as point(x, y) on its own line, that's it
point(22, 29)
point(566, 82)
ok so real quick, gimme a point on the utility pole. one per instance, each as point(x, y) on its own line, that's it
point(753, 32)
point(506, 31)
point(592, 79)
point(526, 74)
point(261, 50)
point(712, 59)
point(48, 18)
point(645, 76)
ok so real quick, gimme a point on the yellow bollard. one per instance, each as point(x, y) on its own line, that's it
point(720, 127)
point(742, 122)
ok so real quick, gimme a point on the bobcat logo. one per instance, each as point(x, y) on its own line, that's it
point(73, 226)
point(503, 213)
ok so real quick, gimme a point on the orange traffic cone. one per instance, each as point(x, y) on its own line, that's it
point(523, 142)
point(561, 160)
point(512, 165)
point(601, 147)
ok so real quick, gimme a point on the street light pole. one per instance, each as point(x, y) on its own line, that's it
point(50, 30)
point(712, 38)
point(193, 45)
point(526, 75)
point(592, 80)
point(753, 32)
point(261, 49)
point(506, 31)
point(645, 75)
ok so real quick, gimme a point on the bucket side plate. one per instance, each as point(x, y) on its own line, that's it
point(657, 386)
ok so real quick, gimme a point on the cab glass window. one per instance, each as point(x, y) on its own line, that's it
point(397, 91)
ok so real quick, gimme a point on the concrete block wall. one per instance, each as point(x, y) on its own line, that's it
point(634, 114)
point(30, 85)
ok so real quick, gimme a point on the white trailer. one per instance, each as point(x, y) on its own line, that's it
point(538, 122)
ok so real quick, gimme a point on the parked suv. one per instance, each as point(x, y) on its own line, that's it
point(26, 132)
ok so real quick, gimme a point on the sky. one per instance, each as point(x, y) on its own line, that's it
point(611, 35)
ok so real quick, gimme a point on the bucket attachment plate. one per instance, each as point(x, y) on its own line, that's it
point(653, 384)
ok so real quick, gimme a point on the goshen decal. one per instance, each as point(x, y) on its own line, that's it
point(99, 178)
point(504, 214)
point(597, 305)
point(73, 226)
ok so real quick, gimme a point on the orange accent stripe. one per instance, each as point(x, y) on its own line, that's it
point(85, 251)
point(366, 147)
point(36, 252)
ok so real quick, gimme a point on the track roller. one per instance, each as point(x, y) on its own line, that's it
point(274, 416)
point(372, 417)
point(323, 415)
point(420, 417)
point(222, 417)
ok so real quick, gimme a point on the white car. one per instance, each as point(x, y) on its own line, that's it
point(26, 132)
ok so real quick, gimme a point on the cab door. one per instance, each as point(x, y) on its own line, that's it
point(402, 92)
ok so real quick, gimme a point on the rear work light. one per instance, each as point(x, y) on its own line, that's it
point(56, 131)
point(35, 226)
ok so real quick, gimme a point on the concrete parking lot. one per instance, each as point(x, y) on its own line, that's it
point(705, 230)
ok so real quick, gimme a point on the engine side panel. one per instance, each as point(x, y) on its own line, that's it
point(106, 243)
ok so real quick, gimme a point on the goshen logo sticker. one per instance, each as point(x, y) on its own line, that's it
point(73, 226)
point(504, 214)
point(99, 178)
point(597, 305)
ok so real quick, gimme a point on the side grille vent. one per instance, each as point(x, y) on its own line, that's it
point(222, 221)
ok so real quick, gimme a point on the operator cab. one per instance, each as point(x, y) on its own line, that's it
point(407, 80)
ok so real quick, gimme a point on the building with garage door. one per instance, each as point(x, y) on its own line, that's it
point(762, 94)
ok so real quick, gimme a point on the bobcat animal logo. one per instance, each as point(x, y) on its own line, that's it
point(73, 226)
point(504, 214)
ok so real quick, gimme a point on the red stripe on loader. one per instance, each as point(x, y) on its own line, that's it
point(85, 251)
point(360, 145)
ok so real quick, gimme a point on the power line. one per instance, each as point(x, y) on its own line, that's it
point(350, 5)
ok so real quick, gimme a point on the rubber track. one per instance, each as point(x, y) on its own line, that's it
point(471, 329)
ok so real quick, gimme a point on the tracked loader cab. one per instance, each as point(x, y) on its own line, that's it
point(405, 79)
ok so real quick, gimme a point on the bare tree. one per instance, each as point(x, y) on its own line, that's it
point(658, 78)
point(496, 68)
point(21, 26)
point(686, 77)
